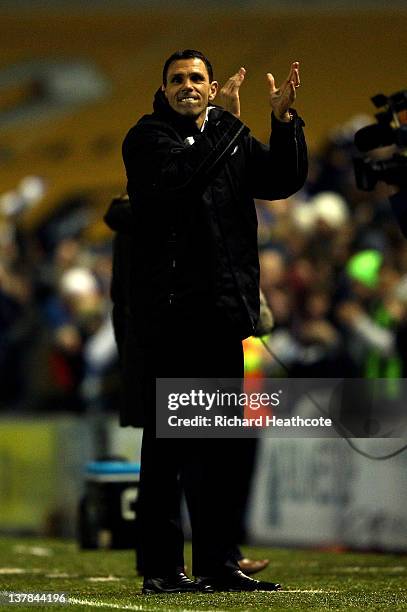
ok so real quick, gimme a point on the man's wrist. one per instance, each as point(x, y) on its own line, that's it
point(285, 117)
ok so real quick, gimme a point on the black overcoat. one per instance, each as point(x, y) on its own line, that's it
point(187, 239)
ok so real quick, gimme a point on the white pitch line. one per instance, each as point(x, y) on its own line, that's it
point(18, 570)
point(369, 568)
point(37, 551)
point(141, 608)
point(103, 604)
point(320, 591)
point(103, 579)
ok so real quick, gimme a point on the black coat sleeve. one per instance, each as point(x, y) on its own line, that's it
point(159, 163)
point(118, 292)
point(279, 169)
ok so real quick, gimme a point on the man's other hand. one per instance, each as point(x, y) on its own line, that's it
point(228, 96)
point(281, 98)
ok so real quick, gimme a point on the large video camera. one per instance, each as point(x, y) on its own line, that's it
point(390, 129)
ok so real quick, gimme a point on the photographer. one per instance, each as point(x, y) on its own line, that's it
point(389, 131)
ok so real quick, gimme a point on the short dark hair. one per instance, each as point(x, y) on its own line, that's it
point(187, 54)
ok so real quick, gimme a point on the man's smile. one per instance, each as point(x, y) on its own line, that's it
point(188, 100)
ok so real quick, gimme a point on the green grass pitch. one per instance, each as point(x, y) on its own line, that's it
point(106, 580)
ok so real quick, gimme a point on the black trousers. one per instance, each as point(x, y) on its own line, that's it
point(206, 469)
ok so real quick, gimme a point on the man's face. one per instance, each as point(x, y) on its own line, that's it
point(188, 89)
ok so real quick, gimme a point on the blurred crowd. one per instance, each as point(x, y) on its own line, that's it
point(57, 350)
point(333, 271)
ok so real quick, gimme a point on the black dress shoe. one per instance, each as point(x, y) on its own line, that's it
point(237, 581)
point(178, 584)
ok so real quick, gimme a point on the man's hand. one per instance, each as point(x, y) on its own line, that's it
point(281, 98)
point(228, 96)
